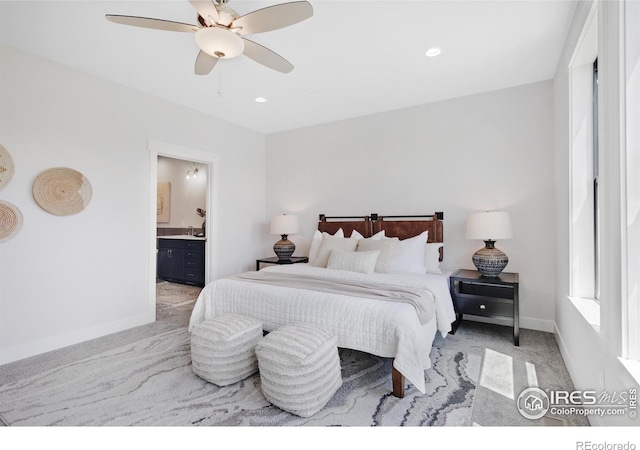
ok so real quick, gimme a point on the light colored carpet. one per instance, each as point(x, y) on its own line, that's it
point(150, 382)
point(507, 370)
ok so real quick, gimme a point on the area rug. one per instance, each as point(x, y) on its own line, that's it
point(176, 294)
point(150, 383)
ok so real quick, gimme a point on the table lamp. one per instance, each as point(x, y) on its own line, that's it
point(284, 225)
point(489, 227)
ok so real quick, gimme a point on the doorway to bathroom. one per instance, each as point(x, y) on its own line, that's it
point(182, 197)
point(182, 227)
point(181, 235)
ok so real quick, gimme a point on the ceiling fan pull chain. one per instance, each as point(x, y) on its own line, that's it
point(220, 82)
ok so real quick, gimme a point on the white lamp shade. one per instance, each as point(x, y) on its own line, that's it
point(492, 226)
point(219, 42)
point(284, 224)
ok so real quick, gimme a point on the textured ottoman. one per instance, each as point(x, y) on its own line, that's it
point(299, 368)
point(223, 349)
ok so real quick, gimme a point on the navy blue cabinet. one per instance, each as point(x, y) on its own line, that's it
point(181, 261)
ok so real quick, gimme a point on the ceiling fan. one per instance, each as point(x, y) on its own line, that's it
point(220, 31)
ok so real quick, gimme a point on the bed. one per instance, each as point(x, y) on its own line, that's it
point(374, 294)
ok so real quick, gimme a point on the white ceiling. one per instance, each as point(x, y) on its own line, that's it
point(352, 58)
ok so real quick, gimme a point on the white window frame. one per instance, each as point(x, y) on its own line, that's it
point(630, 173)
point(582, 225)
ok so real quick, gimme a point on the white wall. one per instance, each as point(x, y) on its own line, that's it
point(590, 345)
point(492, 151)
point(67, 279)
point(187, 195)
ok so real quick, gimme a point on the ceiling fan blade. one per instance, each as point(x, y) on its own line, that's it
point(156, 24)
point(266, 57)
point(206, 9)
point(205, 63)
point(273, 17)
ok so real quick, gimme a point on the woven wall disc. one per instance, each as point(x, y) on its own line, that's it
point(62, 191)
point(6, 167)
point(10, 220)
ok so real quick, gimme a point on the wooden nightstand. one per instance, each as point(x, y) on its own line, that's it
point(275, 260)
point(494, 297)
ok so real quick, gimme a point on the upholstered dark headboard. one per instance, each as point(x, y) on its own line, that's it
point(402, 227)
point(405, 227)
point(331, 224)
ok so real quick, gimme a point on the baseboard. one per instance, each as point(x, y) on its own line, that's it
point(48, 344)
point(564, 352)
point(537, 324)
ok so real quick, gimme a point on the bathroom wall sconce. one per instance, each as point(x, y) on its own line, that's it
point(192, 174)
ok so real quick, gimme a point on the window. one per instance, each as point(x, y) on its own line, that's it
point(584, 163)
point(631, 143)
point(595, 193)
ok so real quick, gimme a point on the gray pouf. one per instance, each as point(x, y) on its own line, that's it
point(299, 368)
point(223, 349)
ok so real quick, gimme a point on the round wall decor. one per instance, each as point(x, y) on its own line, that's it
point(62, 191)
point(6, 167)
point(10, 220)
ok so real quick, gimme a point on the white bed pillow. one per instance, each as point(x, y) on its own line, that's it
point(356, 235)
point(379, 235)
point(317, 240)
point(363, 262)
point(432, 257)
point(330, 243)
point(385, 246)
point(409, 255)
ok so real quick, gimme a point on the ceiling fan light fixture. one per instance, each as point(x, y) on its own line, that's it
point(219, 42)
point(219, 31)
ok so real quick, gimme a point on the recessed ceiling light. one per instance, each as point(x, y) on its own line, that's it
point(261, 99)
point(433, 52)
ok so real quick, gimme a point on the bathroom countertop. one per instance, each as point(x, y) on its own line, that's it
point(184, 236)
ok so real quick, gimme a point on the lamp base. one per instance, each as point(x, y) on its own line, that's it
point(284, 248)
point(489, 260)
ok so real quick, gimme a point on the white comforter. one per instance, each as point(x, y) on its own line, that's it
point(383, 328)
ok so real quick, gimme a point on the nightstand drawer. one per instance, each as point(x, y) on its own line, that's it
point(486, 289)
point(483, 306)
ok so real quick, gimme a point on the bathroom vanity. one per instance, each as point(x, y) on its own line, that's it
point(181, 259)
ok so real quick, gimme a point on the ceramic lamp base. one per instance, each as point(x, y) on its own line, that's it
point(284, 248)
point(489, 260)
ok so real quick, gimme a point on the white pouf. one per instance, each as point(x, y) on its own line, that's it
point(299, 368)
point(223, 349)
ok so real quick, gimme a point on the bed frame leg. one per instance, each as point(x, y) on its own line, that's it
point(398, 382)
